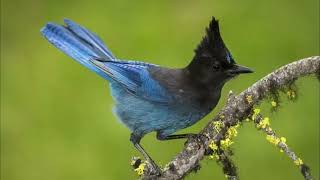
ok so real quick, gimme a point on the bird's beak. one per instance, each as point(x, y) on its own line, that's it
point(238, 69)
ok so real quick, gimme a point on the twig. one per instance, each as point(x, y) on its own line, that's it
point(281, 144)
point(229, 168)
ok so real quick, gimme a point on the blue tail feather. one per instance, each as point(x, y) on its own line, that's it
point(78, 44)
point(90, 38)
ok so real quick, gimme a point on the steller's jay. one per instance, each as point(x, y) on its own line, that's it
point(149, 97)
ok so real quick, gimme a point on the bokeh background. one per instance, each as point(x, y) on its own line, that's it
point(56, 119)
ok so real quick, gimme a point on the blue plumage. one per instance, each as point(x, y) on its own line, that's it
point(149, 97)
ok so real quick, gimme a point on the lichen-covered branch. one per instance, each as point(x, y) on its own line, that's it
point(237, 108)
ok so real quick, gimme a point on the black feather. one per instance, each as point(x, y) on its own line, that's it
point(212, 47)
point(212, 37)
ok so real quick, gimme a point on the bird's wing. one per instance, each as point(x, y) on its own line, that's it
point(134, 76)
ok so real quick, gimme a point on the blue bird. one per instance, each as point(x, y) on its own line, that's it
point(150, 98)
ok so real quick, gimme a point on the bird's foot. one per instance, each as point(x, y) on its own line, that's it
point(155, 170)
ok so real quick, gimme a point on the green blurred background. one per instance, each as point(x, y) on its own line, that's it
point(56, 119)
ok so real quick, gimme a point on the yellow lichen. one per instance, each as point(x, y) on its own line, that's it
point(298, 162)
point(274, 104)
point(268, 129)
point(217, 125)
point(213, 146)
point(237, 125)
point(281, 150)
point(225, 144)
point(256, 112)
point(232, 132)
point(249, 99)
point(140, 169)
point(264, 123)
point(214, 156)
point(272, 139)
point(283, 140)
point(291, 94)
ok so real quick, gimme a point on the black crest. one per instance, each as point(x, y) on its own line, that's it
point(212, 46)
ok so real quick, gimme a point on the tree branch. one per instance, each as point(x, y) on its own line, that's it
point(236, 109)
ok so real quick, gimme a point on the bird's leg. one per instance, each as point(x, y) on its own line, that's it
point(162, 137)
point(135, 139)
point(190, 136)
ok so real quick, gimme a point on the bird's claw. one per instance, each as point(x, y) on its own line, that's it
point(154, 170)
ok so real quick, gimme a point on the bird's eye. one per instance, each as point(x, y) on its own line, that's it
point(216, 66)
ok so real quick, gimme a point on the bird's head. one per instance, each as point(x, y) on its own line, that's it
point(213, 62)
